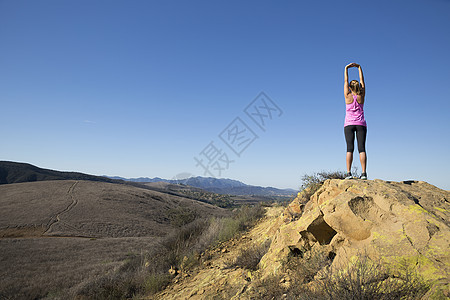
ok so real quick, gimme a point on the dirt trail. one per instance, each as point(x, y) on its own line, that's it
point(56, 218)
point(214, 279)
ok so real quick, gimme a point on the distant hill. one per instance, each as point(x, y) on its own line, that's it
point(140, 179)
point(202, 182)
point(218, 185)
point(253, 190)
point(15, 172)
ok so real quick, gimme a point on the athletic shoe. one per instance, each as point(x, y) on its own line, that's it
point(363, 176)
point(348, 176)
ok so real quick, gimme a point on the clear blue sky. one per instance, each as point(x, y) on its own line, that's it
point(140, 88)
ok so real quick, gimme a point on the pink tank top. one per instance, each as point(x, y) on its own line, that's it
point(354, 113)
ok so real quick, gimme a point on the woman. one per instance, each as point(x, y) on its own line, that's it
point(354, 119)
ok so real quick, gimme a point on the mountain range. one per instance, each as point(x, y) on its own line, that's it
point(217, 185)
point(16, 172)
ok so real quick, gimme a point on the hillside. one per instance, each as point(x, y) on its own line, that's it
point(15, 172)
point(58, 235)
point(378, 238)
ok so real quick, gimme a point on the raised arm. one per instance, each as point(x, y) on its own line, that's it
point(361, 78)
point(346, 90)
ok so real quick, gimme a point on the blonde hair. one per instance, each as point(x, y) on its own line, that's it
point(355, 87)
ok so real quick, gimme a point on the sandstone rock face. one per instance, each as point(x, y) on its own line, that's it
point(396, 222)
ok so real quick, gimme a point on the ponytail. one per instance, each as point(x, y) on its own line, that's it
point(355, 87)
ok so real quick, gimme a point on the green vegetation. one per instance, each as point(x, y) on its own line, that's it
point(219, 200)
point(311, 183)
point(233, 201)
point(148, 273)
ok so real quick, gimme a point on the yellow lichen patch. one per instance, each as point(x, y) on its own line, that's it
point(424, 266)
point(402, 234)
point(353, 190)
point(324, 204)
point(378, 236)
point(435, 251)
point(434, 221)
point(417, 209)
point(441, 209)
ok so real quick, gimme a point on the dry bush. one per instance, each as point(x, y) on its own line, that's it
point(155, 283)
point(228, 228)
point(181, 216)
point(115, 286)
point(367, 279)
point(303, 265)
point(185, 239)
point(311, 276)
point(139, 275)
point(270, 289)
point(148, 273)
point(249, 258)
point(243, 218)
point(249, 215)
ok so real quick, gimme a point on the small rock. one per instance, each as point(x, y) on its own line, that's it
point(173, 270)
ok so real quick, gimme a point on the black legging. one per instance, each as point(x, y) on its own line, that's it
point(361, 132)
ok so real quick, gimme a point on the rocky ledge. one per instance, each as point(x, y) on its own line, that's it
point(395, 222)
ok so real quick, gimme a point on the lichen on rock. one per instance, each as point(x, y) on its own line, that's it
point(389, 221)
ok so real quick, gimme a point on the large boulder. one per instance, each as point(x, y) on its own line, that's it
point(395, 222)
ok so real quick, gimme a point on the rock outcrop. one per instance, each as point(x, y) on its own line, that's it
point(392, 222)
point(395, 222)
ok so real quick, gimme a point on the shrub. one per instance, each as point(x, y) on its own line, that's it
point(303, 265)
point(181, 216)
point(312, 276)
point(229, 227)
point(249, 258)
point(311, 183)
point(249, 215)
point(154, 283)
point(243, 218)
point(185, 238)
point(270, 288)
point(114, 286)
point(366, 279)
point(148, 273)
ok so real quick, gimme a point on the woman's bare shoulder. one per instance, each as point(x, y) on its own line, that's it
point(349, 98)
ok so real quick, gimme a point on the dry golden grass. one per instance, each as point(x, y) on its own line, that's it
point(58, 236)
